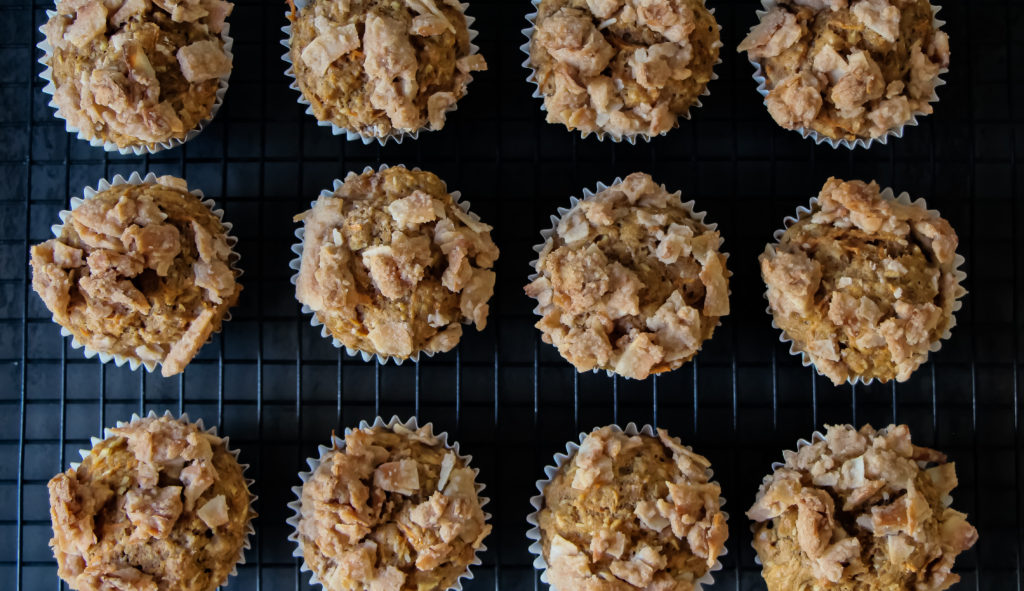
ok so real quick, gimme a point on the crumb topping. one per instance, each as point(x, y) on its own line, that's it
point(393, 266)
point(377, 67)
point(630, 282)
point(848, 69)
point(624, 67)
point(860, 509)
point(631, 511)
point(137, 72)
point(392, 510)
point(140, 271)
point(864, 285)
point(157, 505)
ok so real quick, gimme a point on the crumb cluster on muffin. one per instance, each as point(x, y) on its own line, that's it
point(159, 504)
point(139, 271)
point(393, 508)
point(380, 68)
point(137, 73)
point(393, 266)
point(860, 510)
point(848, 69)
point(630, 281)
point(631, 511)
point(863, 285)
point(622, 67)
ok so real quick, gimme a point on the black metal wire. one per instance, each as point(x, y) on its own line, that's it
point(740, 402)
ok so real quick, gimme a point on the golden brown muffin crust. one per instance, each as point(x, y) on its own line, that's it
point(864, 285)
point(157, 505)
point(625, 67)
point(858, 511)
point(630, 282)
point(629, 512)
point(379, 67)
point(393, 510)
point(848, 69)
point(137, 72)
point(392, 266)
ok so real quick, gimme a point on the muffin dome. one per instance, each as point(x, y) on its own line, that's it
point(848, 69)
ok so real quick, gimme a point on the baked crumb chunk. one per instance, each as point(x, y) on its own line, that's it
point(606, 515)
point(139, 271)
point(136, 73)
point(629, 282)
point(382, 68)
point(873, 315)
point(622, 67)
point(392, 265)
point(848, 70)
point(392, 509)
point(158, 504)
point(858, 509)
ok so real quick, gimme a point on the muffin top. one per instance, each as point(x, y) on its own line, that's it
point(848, 69)
point(137, 72)
point(622, 67)
point(393, 509)
point(631, 512)
point(863, 285)
point(382, 67)
point(393, 266)
point(141, 272)
point(859, 511)
point(159, 504)
point(630, 281)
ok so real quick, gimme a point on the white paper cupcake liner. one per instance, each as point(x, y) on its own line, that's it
point(531, 78)
point(138, 150)
point(762, 88)
point(396, 135)
point(338, 443)
point(250, 530)
point(296, 264)
point(816, 437)
point(560, 459)
point(688, 206)
point(959, 291)
point(136, 179)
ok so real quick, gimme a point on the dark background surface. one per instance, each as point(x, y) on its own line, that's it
point(278, 389)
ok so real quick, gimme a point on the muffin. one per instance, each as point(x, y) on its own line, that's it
point(135, 74)
point(848, 69)
point(378, 68)
point(630, 280)
point(139, 271)
point(390, 507)
point(625, 68)
point(629, 511)
point(391, 264)
point(860, 511)
point(864, 285)
point(158, 504)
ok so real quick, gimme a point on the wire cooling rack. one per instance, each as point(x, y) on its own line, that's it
point(278, 389)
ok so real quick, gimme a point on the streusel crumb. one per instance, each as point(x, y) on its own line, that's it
point(864, 285)
point(631, 512)
point(848, 69)
point(860, 511)
point(141, 272)
point(137, 72)
point(393, 266)
point(157, 505)
point(622, 67)
point(392, 510)
point(630, 282)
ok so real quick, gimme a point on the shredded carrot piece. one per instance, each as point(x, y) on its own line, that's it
point(291, 14)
